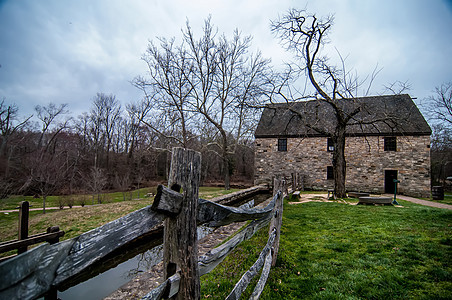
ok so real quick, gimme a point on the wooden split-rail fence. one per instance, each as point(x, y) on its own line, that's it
point(46, 267)
point(52, 235)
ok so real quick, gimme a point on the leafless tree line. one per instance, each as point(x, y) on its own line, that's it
point(439, 111)
point(108, 147)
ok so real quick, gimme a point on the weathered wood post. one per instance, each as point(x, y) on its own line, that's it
point(52, 293)
point(180, 246)
point(23, 224)
point(55, 239)
point(276, 222)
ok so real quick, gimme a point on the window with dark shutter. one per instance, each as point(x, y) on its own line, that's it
point(390, 143)
point(329, 173)
point(330, 145)
point(282, 144)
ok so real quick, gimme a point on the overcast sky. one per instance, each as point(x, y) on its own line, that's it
point(64, 51)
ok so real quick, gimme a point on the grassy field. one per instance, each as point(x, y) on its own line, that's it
point(340, 251)
point(74, 221)
point(55, 201)
point(13, 202)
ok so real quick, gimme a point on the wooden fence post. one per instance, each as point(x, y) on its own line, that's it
point(180, 248)
point(57, 238)
point(23, 224)
point(276, 222)
point(52, 293)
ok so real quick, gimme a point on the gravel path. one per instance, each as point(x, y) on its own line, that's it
point(323, 198)
point(423, 202)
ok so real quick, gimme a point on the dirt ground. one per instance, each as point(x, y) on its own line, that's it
point(316, 198)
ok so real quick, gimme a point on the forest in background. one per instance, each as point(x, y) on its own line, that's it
point(103, 149)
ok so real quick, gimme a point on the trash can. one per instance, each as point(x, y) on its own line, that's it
point(437, 192)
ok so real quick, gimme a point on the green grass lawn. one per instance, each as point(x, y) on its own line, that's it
point(13, 201)
point(340, 251)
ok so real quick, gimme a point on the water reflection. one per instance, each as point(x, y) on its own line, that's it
point(109, 281)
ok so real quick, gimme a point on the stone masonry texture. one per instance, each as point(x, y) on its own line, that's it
point(365, 157)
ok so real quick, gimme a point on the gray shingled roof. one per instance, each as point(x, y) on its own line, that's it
point(379, 115)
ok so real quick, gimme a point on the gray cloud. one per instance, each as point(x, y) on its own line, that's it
point(67, 51)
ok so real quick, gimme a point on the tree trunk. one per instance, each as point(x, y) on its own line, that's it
point(227, 179)
point(3, 145)
point(108, 155)
point(339, 163)
point(227, 183)
point(8, 161)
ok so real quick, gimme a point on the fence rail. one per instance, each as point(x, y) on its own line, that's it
point(31, 240)
point(52, 235)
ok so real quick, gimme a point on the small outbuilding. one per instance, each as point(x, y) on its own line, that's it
point(388, 139)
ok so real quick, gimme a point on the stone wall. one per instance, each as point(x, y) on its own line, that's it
point(365, 157)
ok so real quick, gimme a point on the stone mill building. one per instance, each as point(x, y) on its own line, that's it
point(387, 139)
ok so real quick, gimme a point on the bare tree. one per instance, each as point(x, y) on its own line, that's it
point(47, 166)
point(5, 187)
point(134, 116)
point(96, 181)
point(104, 113)
point(439, 106)
point(441, 153)
point(170, 71)
point(82, 127)
point(48, 172)
point(122, 182)
point(306, 35)
point(204, 87)
point(397, 87)
point(9, 126)
point(226, 80)
point(8, 115)
point(439, 111)
point(49, 176)
point(49, 115)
